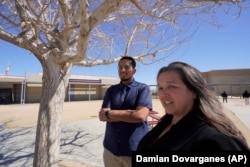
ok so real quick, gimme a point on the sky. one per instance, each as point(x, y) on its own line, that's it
point(209, 49)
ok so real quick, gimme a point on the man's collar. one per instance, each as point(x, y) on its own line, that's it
point(132, 83)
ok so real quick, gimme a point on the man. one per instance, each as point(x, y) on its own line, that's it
point(245, 96)
point(224, 96)
point(125, 109)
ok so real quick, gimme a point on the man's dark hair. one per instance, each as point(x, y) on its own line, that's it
point(133, 63)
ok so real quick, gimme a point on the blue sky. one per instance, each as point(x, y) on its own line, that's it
point(210, 49)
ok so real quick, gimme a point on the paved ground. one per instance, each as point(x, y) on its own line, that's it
point(240, 110)
point(82, 132)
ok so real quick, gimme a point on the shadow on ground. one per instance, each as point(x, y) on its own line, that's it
point(80, 142)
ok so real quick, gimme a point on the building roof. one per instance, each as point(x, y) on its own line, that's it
point(227, 72)
point(9, 78)
point(76, 79)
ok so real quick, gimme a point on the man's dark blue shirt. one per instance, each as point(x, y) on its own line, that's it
point(121, 138)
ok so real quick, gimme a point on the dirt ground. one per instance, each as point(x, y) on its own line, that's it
point(25, 115)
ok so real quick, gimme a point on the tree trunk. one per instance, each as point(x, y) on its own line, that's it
point(47, 146)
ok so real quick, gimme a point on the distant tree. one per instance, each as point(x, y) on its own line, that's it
point(64, 33)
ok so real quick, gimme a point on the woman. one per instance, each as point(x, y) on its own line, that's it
point(194, 118)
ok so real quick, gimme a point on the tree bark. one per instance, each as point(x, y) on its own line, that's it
point(55, 82)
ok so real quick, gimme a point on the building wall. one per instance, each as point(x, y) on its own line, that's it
point(5, 85)
point(16, 93)
point(234, 82)
point(33, 94)
point(228, 79)
point(15, 89)
point(79, 92)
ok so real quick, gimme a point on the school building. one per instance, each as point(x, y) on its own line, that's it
point(233, 81)
point(16, 89)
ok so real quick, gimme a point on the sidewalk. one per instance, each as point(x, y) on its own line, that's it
point(81, 141)
point(81, 137)
point(238, 107)
point(82, 133)
point(240, 114)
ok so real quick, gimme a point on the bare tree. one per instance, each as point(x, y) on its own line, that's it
point(64, 33)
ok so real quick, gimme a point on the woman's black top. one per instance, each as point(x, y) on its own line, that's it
point(189, 134)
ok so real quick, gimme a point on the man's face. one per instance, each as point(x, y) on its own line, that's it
point(126, 70)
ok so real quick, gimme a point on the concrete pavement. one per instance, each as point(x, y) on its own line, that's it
point(81, 141)
point(241, 110)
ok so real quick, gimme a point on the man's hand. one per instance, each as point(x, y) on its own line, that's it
point(102, 116)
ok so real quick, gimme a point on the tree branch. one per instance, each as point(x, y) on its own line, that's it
point(216, 1)
point(138, 6)
point(64, 10)
point(104, 10)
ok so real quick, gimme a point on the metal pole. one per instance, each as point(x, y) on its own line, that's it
point(69, 91)
point(89, 92)
point(23, 91)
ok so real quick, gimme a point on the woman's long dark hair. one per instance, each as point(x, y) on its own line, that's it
point(207, 104)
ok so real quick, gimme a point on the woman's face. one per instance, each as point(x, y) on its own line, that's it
point(174, 95)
